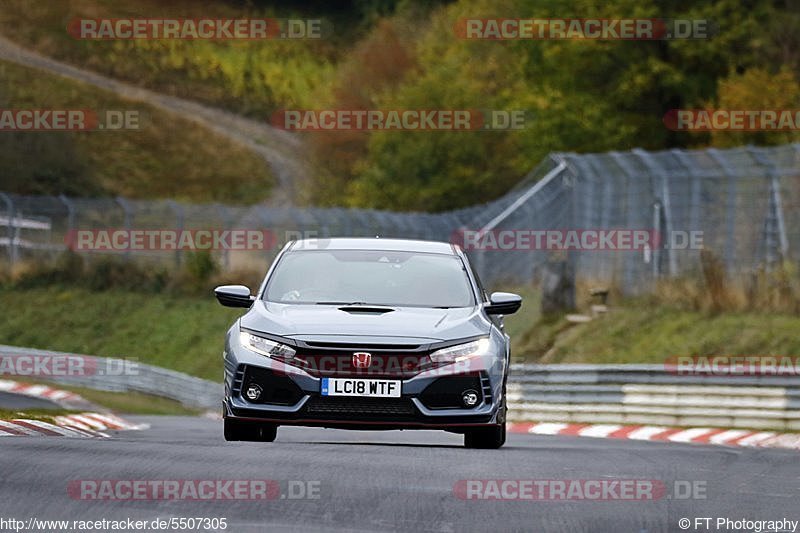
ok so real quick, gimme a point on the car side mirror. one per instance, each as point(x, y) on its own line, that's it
point(234, 296)
point(503, 303)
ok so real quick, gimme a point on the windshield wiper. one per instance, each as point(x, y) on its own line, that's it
point(341, 303)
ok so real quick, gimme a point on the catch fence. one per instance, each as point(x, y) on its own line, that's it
point(742, 204)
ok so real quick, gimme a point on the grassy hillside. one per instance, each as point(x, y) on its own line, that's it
point(185, 333)
point(165, 157)
point(650, 335)
point(251, 77)
point(577, 95)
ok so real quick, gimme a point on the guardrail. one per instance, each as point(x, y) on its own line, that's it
point(121, 375)
point(596, 394)
point(648, 394)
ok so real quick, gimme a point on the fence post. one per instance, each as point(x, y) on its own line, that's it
point(666, 205)
point(70, 216)
point(127, 219)
point(694, 179)
point(656, 250)
point(775, 209)
point(584, 206)
point(607, 222)
point(630, 177)
point(570, 181)
point(224, 214)
point(11, 231)
point(516, 204)
point(730, 216)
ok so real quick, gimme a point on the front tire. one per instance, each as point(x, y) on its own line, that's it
point(490, 438)
point(236, 430)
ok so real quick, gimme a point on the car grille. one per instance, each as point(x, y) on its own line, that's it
point(357, 346)
point(361, 409)
point(336, 363)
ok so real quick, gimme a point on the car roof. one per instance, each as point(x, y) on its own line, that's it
point(374, 243)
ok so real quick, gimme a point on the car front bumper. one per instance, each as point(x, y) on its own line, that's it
point(429, 399)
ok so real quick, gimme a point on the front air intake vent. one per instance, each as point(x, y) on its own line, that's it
point(365, 310)
point(361, 347)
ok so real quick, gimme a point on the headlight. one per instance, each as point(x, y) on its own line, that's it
point(264, 346)
point(460, 352)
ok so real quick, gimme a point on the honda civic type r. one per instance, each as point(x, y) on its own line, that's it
point(368, 334)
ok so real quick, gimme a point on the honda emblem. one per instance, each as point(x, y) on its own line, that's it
point(362, 359)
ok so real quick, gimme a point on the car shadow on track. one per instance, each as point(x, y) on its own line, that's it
point(390, 444)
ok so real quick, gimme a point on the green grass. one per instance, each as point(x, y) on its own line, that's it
point(131, 403)
point(44, 415)
point(179, 332)
point(250, 77)
point(645, 331)
point(641, 334)
point(123, 403)
point(518, 324)
point(531, 334)
point(167, 157)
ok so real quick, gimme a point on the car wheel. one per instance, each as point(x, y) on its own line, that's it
point(233, 429)
point(490, 438)
point(265, 432)
point(230, 429)
point(236, 430)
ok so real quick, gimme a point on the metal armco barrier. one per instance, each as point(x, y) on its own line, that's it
point(648, 394)
point(120, 375)
point(592, 394)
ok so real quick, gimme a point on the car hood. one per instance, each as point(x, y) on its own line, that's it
point(307, 322)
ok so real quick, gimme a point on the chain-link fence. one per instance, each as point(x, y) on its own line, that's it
point(742, 203)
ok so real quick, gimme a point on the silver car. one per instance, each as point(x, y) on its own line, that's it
point(368, 334)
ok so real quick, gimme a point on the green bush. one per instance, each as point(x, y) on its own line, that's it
point(201, 266)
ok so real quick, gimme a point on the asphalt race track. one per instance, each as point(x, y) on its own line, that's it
point(386, 481)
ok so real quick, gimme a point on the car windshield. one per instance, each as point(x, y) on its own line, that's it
point(371, 277)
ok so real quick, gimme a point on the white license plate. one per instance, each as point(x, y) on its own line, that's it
point(377, 388)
